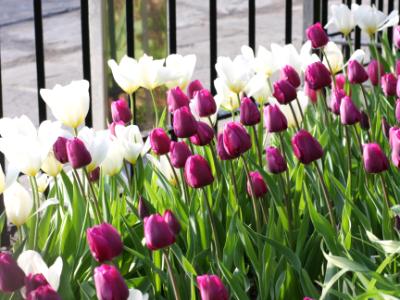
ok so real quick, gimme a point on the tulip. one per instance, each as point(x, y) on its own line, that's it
point(164, 167)
point(211, 288)
point(375, 161)
point(172, 222)
point(69, 104)
point(265, 62)
point(385, 127)
point(51, 166)
point(276, 163)
point(97, 142)
point(234, 74)
point(104, 242)
point(198, 172)
point(317, 76)
point(78, 155)
point(349, 113)
point(120, 111)
point(312, 94)
point(317, 35)
point(225, 97)
point(258, 89)
point(143, 211)
point(389, 84)
point(131, 142)
point(193, 87)
point(364, 121)
point(249, 113)
point(157, 232)
point(336, 99)
point(236, 139)
point(397, 111)
point(18, 204)
point(398, 67)
point(176, 98)
point(204, 103)
point(342, 19)
point(42, 182)
point(373, 70)
point(113, 125)
point(114, 160)
point(340, 81)
point(222, 154)
point(179, 153)
point(44, 292)
point(284, 92)
point(290, 74)
point(11, 275)
point(34, 281)
point(394, 140)
point(94, 175)
point(60, 150)
point(274, 119)
point(204, 135)
point(396, 36)
point(398, 87)
point(259, 185)
point(160, 141)
point(397, 223)
point(126, 74)
point(333, 58)
point(110, 285)
point(182, 68)
point(308, 298)
point(356, 72)
point(306, 148)
point(184, 124)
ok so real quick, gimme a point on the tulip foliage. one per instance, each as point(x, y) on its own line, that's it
point(295, 196)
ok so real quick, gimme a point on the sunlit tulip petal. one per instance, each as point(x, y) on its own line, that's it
point(131, 141)
point(113, 162)
point(342, 19)
point(126, 73)
point(18, 204)
point(183, 66)
point(97, 143)
point(335, 57)
point(235, 73)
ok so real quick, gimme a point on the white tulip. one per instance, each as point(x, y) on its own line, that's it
point(32, 262)
point(126, 74)
point(7, 181)
point(97, 143)
point(227, 99)
point(153, 73)
point(70, 103)
point(51, 166)
point(306, 56)
point(233, 73)
point(264, 62)
point(183, 66)
point(131, 141)
point(258, 88)
point(335, 57)
point(2, 180)
point(372, 20)
point(162, 165)
point(135, 294)
point(113, 162)
point(42, 182)
point(18, 204)
point(342, 19)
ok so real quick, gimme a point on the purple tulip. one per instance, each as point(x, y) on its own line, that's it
point(375, 161)
point(159, 141)
point(364, 121)
point(236, 139)
point(397, 110)
point(349, 113)
point(104, 242)
point(179, 153)
point(120, 111)
point(394, 141)
point(211, 288)
point(60, 149)
point(305, 147)
point(336, 98)
point(398, 67)
point(398, 87)
point(356, 72)
point(94, 175)
point(276, 163)
point(317, 76)
point(396, 36)
point(157, 232)
point(340, 81)
point(143, 211)
point(193, 87)
point(389, 84)
point(284, 92)
point(274, 119)
point(259, 185)
point(223, 155)
point(11, 275)
point(33, 281)
point(385, 127)
point(172, 221)
point(317, 35)
point(78, 155)
point(290, 74)
point(249, 113)
point(44, 292)
point(176, 98)
point(373, 71)
point(204, 103)
point(397, 223)
point(110, 285)
point(204, 134)
point(198, 172)
point(184, 124)
point(312, 94)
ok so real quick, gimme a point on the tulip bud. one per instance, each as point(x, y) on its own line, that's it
point(34, 281)
point(317, 76)
point(312, 94)
point(356, 72)
point(157, 232)
point(193, 87)
point(284, 92)
point(179, 153)
point(259, 185)
point(398, 67)
point(204, 134)
point(373, 71)
point(308, 298)
point(274, 119)
point(172, 222)
point(375, 161)
point(94, 175)
point(114, 124)
point(198, 172)
point(120, 111)
point(236, 139)
point(290, 74)
point(349, 113)
point(394, 140)
point(204, 103)
point(211, 288)
point(109, 283)
point(18, 204)
point(42, 182)
point(176, 98)
point(385, 127)
point(340, 81)
point(223, 155)
point(336, 98)
point(11, 275)
point(396, 36)
point(397, 110)
point(305, 147)
point(159, 141)
point(276, 163)
point(184, 123)
point(397, 223)
point(44, 292)
point(317, 35)
point(104, 242)
point(60, 149)
point(78, 155)
point(249, 113)
point(143, 211)
point(389, 84)
point(364, 121)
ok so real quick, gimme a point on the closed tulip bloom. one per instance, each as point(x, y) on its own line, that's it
point(184, 123)
point(305, 147)
point(259, 185)
point(374, 69)
point(204, 134)
point(222, 154)
point(364, 121)
point(211, 288)
point(236, 139)
point(110, 285)
point(249, 113)
point(120, 111)
point(398, 67)
point(274, 119)
point(317, 76)
point(312, 94)
point(172, 221)
point(176, 98)
point(78, 155)
point(18, 204)
point(11, 275)
point(179, 153)
point(389, 84)
point(284, 92)
point(375, 161)
point(397, 111)
point(349, 113)
point(317, 35)
point(198, 172)
point(396, 36)
point(276, 163)
point(143, 211)
point(398, 87)
point(104, 242)
point(340, 81)
point(33, 281)
point(157, 232)
point(193, 87)
point(60, 149)
point(356, 72)
point(44, 292)
point(94, 175)
point(204, 103)
point(159, 141)
point(51, 166)
point(336, 98)
point(290, 74)
point(395, 145)
point(385, 127)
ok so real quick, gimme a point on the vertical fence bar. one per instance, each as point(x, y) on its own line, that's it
point(252, 24)
point(86, 54)
point(37, 12)
point(213, 42)
point(357, 38)
point(390, 29)
point(5, 239)
point(324, 12)
point(172, 26)
point(288, 21)
point(316, 11)
point(380, 5)
point(111, 29)
point(130, 43)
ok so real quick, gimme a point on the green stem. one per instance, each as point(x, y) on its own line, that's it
point(348, 144)
point(326, 197)
point(35, 209)
point(300, 110)
point(233, 179)
point(330, 68)
point(294, 116)
point(132, 107)
point(365, 99)
point(185, 188)
point(385, 192)
point(154, 106)
point(96, 202)
point(258, 146)
point(212, 223)
point(216, 161)
point(171, 275)
point(173, 170)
